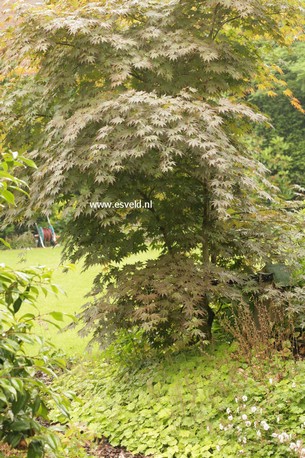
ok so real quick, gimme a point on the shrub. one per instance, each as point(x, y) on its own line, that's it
point(25, 240)
point(24, 392)
point(263, 333)
point(269, 323)
point(131, 349)
point(24, 388)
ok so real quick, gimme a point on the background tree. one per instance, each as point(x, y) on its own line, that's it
point(285, 139)
point(125, 101)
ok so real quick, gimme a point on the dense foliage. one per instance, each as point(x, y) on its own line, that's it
point(26, 359)
point(122, 101)
point(192, 406)
point(283, 145)
point(24, 393)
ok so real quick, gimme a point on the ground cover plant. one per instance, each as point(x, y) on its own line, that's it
point(194, 406)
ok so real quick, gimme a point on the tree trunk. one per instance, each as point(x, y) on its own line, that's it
point(208, 313)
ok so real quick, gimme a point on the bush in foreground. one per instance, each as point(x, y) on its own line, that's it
point(24, 392)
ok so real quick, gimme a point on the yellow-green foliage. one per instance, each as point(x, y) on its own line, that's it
point(193, 406)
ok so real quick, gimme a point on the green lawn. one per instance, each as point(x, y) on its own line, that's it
point(75, 283)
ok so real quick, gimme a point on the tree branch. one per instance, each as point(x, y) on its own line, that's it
point(137, 76)
point(161, 226)
point(63, 43)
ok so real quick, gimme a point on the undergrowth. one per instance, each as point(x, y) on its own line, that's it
point(193, 405)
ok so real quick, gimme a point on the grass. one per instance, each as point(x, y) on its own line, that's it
point(75, 283)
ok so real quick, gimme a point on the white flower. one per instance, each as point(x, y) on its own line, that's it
point(253, 409)
point(220, 426)
point(248, 423)
point(218, 448)
point(284, 437)
point(265, 425)
point(230, 417)
point(245, 398)
point(244, 440)
point(293, 385)
point(244, 417)
point(274, 434)
point(236, 400)
point(293, 446)
point(277, 419)
point(228, 410)
point(271, 381)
